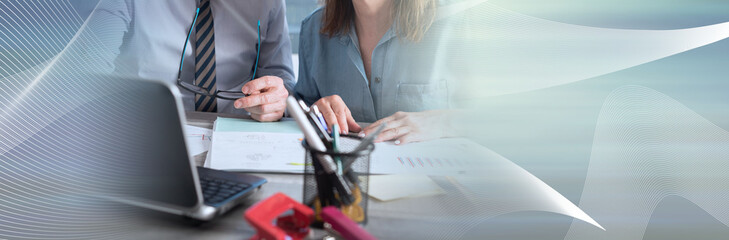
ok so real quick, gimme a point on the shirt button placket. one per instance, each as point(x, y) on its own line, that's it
point(378, 89)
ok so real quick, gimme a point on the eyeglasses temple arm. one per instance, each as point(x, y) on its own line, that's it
point(258, 51)
point(187, 39)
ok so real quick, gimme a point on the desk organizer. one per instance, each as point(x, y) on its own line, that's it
point(360, 170)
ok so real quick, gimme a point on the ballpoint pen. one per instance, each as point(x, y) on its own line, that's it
point(326, 198)
point(320, 116)
point(321, 129)
point(313, 140)
point(314, 120)
point(335, 147)
point(366, 141)
point(303, 106)
point(362, 146)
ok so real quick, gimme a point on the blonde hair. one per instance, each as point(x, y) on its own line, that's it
point(412, 17)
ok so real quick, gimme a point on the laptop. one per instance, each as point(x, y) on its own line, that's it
point(159, 173)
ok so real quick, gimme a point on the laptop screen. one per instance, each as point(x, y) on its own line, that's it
point(139, 144)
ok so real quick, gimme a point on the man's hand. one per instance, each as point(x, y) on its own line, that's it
point(406, 127)
point(266, 100)
point(335, 111)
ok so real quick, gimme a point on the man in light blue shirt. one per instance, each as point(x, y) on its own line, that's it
point(151, 35)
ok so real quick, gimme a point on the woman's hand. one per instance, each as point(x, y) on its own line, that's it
point(335, 111)
point(406, 127)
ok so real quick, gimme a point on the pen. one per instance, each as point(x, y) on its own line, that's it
point(321, 117)
point(314, 120)
point(369, 138)
point(322, 188)
point(312, 138)
point(303, 106)
point(321, 129)
point(335, 147)
point(362, 146)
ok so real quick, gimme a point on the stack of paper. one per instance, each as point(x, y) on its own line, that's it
point(247, 145)
point(401, 186)
point(198, 139)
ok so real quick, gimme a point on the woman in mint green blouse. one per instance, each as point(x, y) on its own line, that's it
point(375, 61)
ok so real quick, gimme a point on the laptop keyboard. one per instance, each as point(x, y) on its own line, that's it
point(216, 190)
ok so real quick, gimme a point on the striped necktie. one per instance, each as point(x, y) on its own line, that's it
point(205, 58)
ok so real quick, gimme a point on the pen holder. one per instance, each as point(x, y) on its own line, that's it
point(317, 183)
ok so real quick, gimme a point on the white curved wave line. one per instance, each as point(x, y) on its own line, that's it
point(648, 146)
point(52, 108)
point(40, 34)
point(23, 74)
point(34, 82)
point(505, 181)
point(10, 18)
point(452, 9)
point(509, 52)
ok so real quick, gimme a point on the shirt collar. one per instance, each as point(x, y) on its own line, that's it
point(351, 36)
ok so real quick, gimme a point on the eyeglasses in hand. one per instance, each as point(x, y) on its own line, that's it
point(222, 94)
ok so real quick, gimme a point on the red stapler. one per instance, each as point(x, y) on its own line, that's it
point(296, 226)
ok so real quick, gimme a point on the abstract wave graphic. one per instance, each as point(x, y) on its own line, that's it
point(500, 52)
point(61, 135)
point(648, 147)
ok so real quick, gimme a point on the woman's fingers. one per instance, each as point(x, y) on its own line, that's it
point(372, 127)
point(393, 121)
point(409, 138)
point(393, 130)
point(340, 109)
point(335, 111)
point(329, 116)
point(352, 124)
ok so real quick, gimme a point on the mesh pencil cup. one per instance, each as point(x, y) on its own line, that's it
point(356, 170)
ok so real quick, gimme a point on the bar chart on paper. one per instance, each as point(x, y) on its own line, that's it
point(444, 156)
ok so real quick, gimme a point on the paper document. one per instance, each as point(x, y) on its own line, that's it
point(257, 151)
point(392, 187)
point(286, 125)
point(247, 145)
point(435, 157)
point(198, 139)
point(208, 156)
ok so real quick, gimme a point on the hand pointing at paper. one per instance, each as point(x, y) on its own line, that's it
point(266, 100)
point(335, 111)
point(406, 127)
